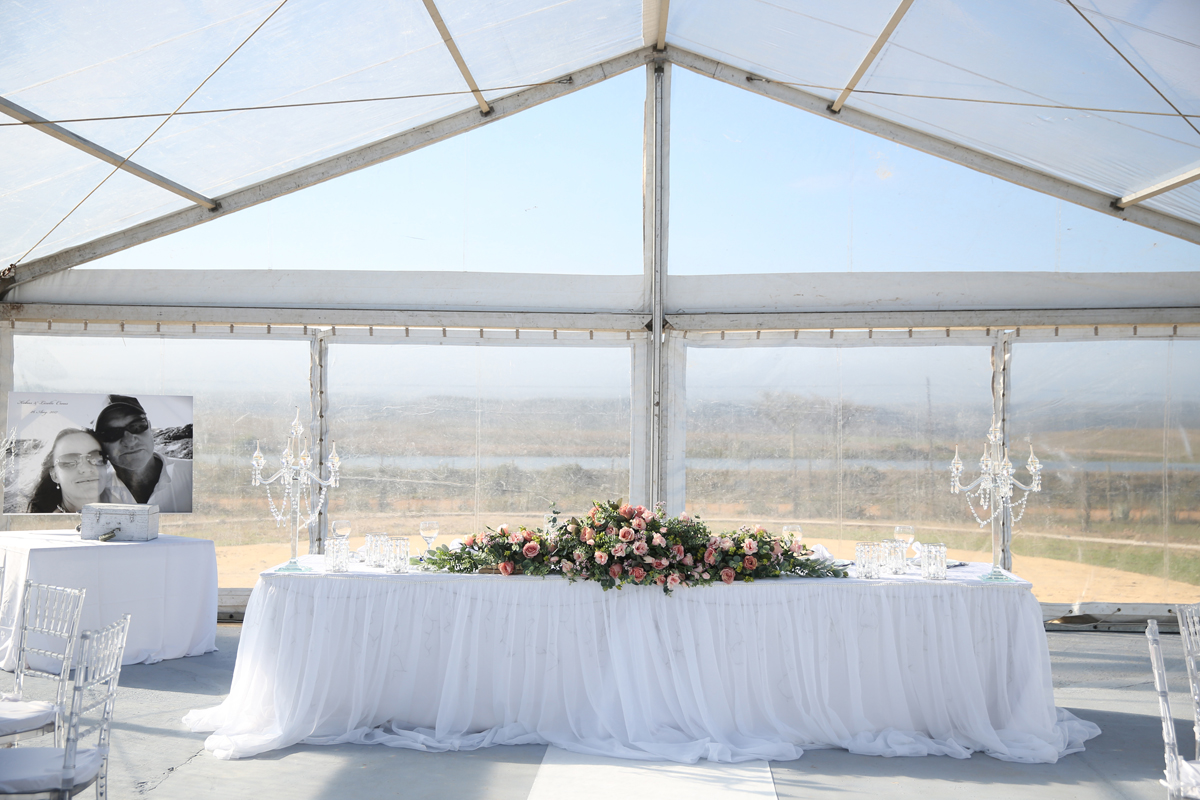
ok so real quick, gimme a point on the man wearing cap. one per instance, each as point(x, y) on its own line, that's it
point(142, 475)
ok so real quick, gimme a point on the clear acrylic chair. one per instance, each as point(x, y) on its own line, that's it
point(1182, 777)
point(63, 771)
point(1189, 628)
point(49, 626)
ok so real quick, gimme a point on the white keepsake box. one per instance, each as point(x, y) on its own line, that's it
point(126, 523)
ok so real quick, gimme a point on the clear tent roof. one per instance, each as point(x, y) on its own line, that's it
point(1097, 93)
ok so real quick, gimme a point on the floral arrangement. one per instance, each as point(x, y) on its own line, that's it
point(615, 544)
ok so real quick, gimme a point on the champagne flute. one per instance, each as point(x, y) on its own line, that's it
point(429, 532)
point(906, 534)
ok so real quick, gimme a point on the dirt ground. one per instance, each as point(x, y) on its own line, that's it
point(1053, 581)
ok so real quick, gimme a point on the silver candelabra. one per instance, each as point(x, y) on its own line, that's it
point(298, 482)
point(992, 491)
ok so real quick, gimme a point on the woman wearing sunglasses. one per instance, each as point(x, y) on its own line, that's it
point(73, 474)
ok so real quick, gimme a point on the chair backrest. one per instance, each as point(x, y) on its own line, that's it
point(95, 686)
point(49, 626)
point(1189, 627)
point(1164, 707)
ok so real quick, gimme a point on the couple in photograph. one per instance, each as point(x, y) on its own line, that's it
point(112, 462)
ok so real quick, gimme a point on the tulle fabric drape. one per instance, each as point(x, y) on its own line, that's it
point(725, 673)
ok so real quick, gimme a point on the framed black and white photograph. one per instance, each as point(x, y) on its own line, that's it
point(75, 449)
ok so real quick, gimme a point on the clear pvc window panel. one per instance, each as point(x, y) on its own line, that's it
point(475, 436)
point(554, 189)
point(760, 187)
point(242, 391)
point(846, 442)
point(1117, 428)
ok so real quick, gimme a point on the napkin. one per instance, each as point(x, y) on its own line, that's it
point(821, 552)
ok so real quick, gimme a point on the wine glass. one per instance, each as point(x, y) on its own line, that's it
point(791, 532)
point(906, 534)
point(429, 532)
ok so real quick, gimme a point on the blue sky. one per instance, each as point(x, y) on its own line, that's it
point(756, 186)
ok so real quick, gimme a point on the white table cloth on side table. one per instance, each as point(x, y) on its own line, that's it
point(728, 673)
point(168, 586)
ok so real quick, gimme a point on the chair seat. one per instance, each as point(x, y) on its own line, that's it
point(17, 716)
point(39, 769)
point(1189, 778)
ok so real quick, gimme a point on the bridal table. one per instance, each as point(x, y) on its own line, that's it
point(167, 585)
point(763, 670)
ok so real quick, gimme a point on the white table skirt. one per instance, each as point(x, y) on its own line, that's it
point(727, 673)
point(168, 586)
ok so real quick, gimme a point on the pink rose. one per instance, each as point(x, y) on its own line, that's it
point(626, 512)
point(592, 513)
point(663, 529)
point(658, 540)
point(759, 529)
point(638, 573)
point(688, 560)
point(611, 530)
point(639, 523)
point(726, 543)
point(640, 511)
point(796, 547)
point(661, 563)
point(750, 563)
point(673, 579)
point(710, 556)
point(705, 575)
point(587, 533)
point(531, 549)
point(750, 546)
point(469, 541)
point(506, 568)
point(601, 557)
point(677, 550)
point(626, 535)
point(776, 549)
point(579, 556)
point(619, 550)
point(528, 536)
point(567, 566)
point(728, 575)
point(515, 537)
point(640, 549)
point(685, 517)
point(615, 571)
point(503, 529)
point(554, 560)
point(660, 580)
point(572, 529)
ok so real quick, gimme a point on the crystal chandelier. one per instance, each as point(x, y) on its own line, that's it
point(992, 491)
point(299, 483)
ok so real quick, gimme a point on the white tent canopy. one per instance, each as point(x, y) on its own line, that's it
point(1093, 102)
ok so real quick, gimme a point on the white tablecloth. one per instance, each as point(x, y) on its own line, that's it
point(728, 673)
point(168, 586)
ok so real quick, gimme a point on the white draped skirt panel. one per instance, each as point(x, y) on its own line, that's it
point(726, 673)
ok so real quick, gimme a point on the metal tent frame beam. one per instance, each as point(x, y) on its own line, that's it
point(65, 136)
point(942, 148)
point(351, 161)
point(872, 54)
point(448, 40)
point(1182, 179)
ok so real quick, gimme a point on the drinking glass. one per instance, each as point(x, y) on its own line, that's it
point(397, 554)
point(429, 532)
point(376, 549)
point(792, 532)
point(933, 562)
point(337, 554)
point(893, 560)
point(866, 559)
point(906, 534)
point(340, 527)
